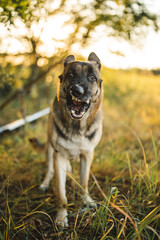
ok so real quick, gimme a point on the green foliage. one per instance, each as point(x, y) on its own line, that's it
point(25, 10)
point(12, 77)
point(122, 18)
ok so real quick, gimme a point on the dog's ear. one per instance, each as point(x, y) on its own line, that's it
point(69, 59)
point(93, 58)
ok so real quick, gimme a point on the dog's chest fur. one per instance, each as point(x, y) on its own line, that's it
point(80, 142)
point(73, 138)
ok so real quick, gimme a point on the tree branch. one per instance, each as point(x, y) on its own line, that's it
point(29, 85)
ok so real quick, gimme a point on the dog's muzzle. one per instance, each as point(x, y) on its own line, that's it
point(78, 101)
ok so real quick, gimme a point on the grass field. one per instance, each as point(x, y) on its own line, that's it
point(124, 178)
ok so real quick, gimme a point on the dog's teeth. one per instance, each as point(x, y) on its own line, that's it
point(88, 101)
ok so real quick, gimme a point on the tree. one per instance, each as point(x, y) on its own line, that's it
point(123, 18)
point(26, 10)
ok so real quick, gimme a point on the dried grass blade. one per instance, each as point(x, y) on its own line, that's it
point(116, 207)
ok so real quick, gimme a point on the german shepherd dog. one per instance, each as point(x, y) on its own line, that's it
point(74, 127)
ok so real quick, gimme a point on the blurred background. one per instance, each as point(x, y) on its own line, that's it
point(35, 38)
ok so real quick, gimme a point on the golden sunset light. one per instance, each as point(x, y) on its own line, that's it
point(114, 52)
point(80, 119)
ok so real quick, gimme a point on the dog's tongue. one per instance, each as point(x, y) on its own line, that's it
point(77, 103)
point(77, 106)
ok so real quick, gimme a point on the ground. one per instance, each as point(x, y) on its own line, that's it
point(124, 179)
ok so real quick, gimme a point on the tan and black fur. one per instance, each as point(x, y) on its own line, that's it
point(74, 127)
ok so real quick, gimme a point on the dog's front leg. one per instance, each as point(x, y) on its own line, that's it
point(85, 161)
point(61, 166)
point(49, 155)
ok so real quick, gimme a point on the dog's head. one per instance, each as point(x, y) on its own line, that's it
point(80, 85)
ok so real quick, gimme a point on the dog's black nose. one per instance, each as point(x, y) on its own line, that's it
point(77, 90)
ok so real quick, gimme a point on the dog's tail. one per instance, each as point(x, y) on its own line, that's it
point(39, 147)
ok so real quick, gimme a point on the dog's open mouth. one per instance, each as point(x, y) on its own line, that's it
point(77, 107)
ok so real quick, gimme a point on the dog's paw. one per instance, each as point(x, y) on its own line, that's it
point(46, 182)
point(61, 218)
point(44, 187)
point(88, 201)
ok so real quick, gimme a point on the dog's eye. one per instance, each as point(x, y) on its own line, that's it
point(92, 78)
point(70, 75)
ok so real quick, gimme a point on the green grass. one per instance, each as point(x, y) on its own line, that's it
point(124, 178)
